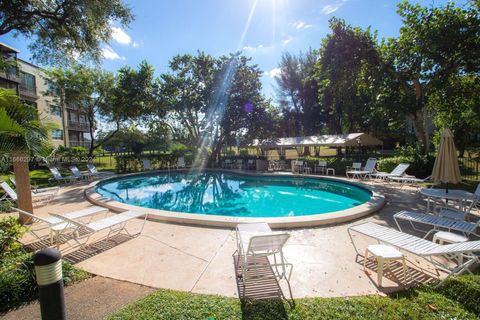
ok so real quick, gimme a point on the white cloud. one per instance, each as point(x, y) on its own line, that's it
point(286, 41)
point(109, 54)
point(275, 72)
point(119, 35)
point(301, 25)
point(332, 7)
point(135, 44)
point(253, 49)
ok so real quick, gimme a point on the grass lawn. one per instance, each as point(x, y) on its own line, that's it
point(457, 299)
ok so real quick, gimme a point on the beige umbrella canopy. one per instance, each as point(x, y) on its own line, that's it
point(446, 167)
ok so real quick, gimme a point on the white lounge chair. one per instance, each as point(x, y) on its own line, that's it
point(256, 244)
point(356, 166)
point(368, 170)
point(146, 164)
point(56, 226)
point(467, 228)
point(408, 180)
point(94, 171)
point(57, 176)
point(321, 167)
point(436, 254)
point(80, 175)
point(36, 189)
point(114, 225)
point(397, 172)
point(181, 162)
point(11, 196)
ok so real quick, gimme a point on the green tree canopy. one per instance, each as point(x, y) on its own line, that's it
point(63, 29)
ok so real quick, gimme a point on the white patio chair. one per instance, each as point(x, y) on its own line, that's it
point(321, 167)
point(260, 249)
point(146, 164)
point(356, 166)
point(52, 227)
point(435, 222)
point(11, 196)
point(367, 171)
point(181, 162)
point(94, 171)
point(35, 189)
point(115, 225)
point(463, 254)
point(239, 164)
point(80, 175)
point(57, 176)
point(398, 171)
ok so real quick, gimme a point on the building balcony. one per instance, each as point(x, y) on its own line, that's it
point(28, 92)
point(74, 143)
point(78, 126)
point(10, 76)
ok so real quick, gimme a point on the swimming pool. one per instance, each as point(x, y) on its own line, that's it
point(219, 193)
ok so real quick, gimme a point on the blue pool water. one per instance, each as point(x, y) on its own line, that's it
point(229, 194)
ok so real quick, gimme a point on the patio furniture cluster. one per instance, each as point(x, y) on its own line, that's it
point(70, 231)
point(452, 248)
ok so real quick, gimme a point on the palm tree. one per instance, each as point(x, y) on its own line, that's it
point(21, 134)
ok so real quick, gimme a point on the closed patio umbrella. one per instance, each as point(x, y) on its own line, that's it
point(446, 167)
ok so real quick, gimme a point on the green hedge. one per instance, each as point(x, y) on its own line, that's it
point(133, 163)
point(420, 167)
point(465, 290)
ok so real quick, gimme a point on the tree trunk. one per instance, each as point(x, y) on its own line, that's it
point(22, 178)
point(421, 133)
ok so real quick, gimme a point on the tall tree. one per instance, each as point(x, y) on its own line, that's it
point(350, 80)
point(63, 29)
point(434, 44)
point(297, 91)
point(116, 99)
point(237, 110)
point(21, 133)
point(186, 92)
point(456, 105)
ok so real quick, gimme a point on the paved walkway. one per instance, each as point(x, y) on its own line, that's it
point(199, 259)
point(94, 298)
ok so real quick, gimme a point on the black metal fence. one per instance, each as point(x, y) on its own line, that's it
point(470, 168)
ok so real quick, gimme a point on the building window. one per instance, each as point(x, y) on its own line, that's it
point(27, 82)
point(56, 110)
point(57, 134)
point(52, 88)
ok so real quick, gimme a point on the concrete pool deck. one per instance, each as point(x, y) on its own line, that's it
point(199, 259)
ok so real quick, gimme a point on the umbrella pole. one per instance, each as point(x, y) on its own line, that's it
point(447, 188)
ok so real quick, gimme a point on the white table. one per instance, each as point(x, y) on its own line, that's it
point(384, 254)
point(453, 194)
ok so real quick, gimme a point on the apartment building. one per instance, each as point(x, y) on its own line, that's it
point(33, 86)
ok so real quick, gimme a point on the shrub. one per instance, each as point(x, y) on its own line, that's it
point(10, 233)
point(463, 289)
point(17, 275)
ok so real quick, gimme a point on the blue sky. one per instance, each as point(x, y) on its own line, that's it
point(165, 28)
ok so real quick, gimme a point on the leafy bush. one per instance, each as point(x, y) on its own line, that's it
point(10, 233)
point(465, 290)
point(17, 275)
point(421, 165)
